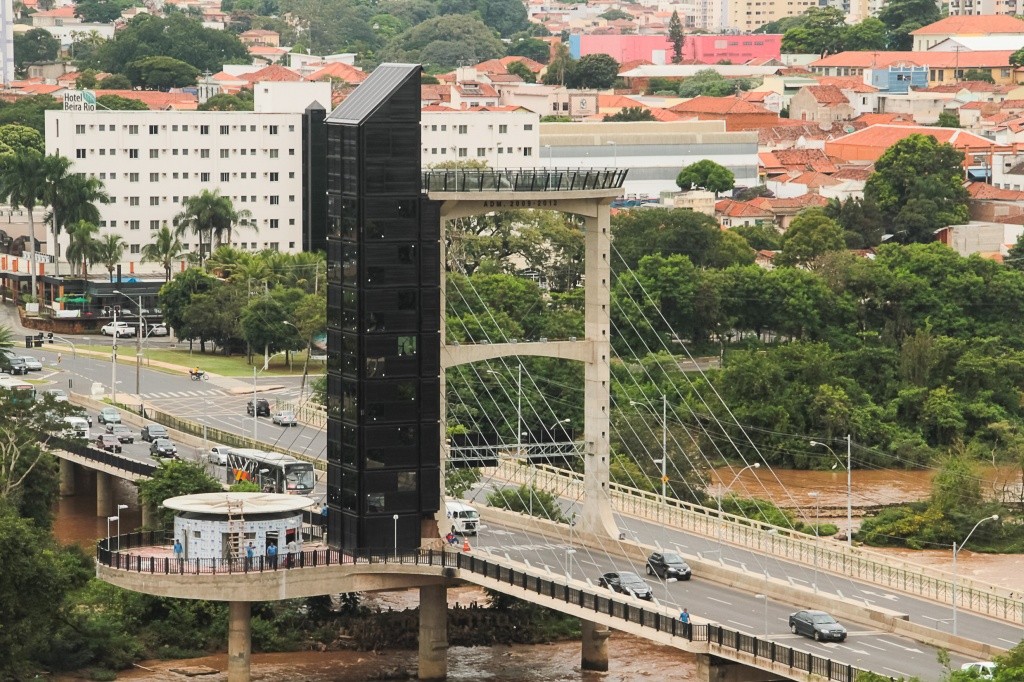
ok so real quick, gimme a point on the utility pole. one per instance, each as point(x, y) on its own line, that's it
point(113, 363)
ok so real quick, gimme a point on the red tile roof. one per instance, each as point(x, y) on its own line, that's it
point(339, 71)
point(948, 60)
point(810, 159)
point(274, 72)
point(430, 92)
point(153, 99)
point(985, 191)
point(970, 24)
point(891, 119)
point(59, 13)
point(827, 94)
point(475, 89)
point(731, 208)
point(718, 105)
point(885, 136)
point(813, 179)
point(789, 204)
point(861, 173)
point(847, 83)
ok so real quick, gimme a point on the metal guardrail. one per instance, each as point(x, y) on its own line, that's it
point(784, 543)
point(111, 459)
point(314, 415)
point(522, 180)
point(723, 638)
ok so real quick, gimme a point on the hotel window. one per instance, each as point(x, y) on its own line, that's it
point(133, 224)
point(224, 177)
point(133, 201)
point(134, 248)
point(79, 153)
point(80, 129)
point(154, 177)
point(224, 153)
point(274, 200)
point(154, 201)
point(154, 224)
point(274, 177)
point(154, 153)
point(133, 177)
point(153, 130)
point(133, 130)
point(224, 130)
point(204, 153)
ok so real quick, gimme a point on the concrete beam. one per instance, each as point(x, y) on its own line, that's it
point(433, 635)
point(579, 351)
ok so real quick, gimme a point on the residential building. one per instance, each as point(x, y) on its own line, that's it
point(151, 161)
point(821, 103)
point(747, 17)
point(546, 100)
point(6, 42)
point(502, 137)
point(772, 101)
point(260, 37)
point(942, 67)
point(698, 200)
point(736, 113)
point(730, 213)
point(987, 239)
point(653, 152)
point(990, 203)
point(965, 26)
point(870, 143)
point(657, 49)
point(987, 43)
point(59, 16)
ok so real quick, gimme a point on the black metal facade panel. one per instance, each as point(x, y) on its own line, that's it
point(314, 179)
point(383, 300)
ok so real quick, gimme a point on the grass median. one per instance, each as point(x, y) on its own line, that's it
point(215, 363)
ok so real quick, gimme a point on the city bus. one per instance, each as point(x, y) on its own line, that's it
point(272, 471)
point(23, 393)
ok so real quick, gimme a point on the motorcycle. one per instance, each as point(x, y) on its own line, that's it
point(199, 376)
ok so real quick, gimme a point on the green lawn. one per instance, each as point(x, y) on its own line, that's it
point(215, 363)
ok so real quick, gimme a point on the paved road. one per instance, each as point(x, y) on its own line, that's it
point(864, 647)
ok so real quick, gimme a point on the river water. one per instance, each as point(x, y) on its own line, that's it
point(630, 659)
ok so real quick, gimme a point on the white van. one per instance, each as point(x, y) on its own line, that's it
point(76, 427)
point(464, 520)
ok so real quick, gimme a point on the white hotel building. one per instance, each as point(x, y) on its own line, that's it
point(150, 161)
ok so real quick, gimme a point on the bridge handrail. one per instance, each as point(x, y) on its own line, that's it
point(786, 543)
point(84, 449)
point(522, 179)
point(598, 601)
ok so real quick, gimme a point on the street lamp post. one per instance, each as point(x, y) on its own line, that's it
point(113, 363)
point(721, 521)
point(119, 508)
point(994, 517)
point(615, 152)
point(849, 486)
point(138, 341)
point(395, 517)
point(109, 519)
point(817, 511)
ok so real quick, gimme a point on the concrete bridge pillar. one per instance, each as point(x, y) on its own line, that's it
point(714, 669)
point(239, 640)
point(594, 655)
point(67, 477)
point(433, 664)
point(104, 495)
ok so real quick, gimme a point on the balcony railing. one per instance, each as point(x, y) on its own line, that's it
point(522, 180)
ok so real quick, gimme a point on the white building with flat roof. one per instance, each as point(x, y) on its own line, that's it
point(503, 137)
point(150, 161)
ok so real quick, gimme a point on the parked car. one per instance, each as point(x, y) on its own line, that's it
point(284, 418)
point(118, 329)
point(158, 330)
point(817, 625)
point(983, 670)
point(626, 582)
point(150, 432)
point(109, 415)
point(108, 442)
point(58, 394)
point(668, 565)
point(262, 407)
point(32, 364)
point(162, 447)
point(218, 455)
point(121, 432)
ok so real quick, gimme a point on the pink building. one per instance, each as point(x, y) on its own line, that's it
point(709, 49)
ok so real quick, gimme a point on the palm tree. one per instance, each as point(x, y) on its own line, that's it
point(211, 215)
point(82, 245)
point(109, 251)
point(21, 185)
point(165, 249)
point(71, 197)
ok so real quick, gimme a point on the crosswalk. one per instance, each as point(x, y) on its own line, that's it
point(184, 394)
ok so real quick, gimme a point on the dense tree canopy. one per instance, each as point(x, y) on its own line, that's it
point(903, 16)
point(34, 45)
point(176, 37)
point(918, 187)
point(446, 41)
point(821, 33)
point(160, 73)
point(706, 174)
point(593, 71)
point(710, 83)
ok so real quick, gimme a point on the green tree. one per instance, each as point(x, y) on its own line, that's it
point(862, 222)
point(822, 33)
point(86, 80)
point(983, 75)
point(22, 179)
point(176, 295)
point(528, 500)
point(210, 215)
point(446, 41)
point(164, 249)
point(505, 16)
point(903, 16)
point(160, 73)
point(174, 477)
point(523, 71)
point(109, 251)
point(82, 246)
point(1017, 58)
point(560, 68)
point(18, 139)
point(34, 45)
point(811, 234)
point(262, 325)
point(28, 111)
point(531, 48)
point(918, 187)
point(706, 174)
point(176, 37)
point(118, 103)
point(594, 71)
point(72, 198)
point(948, 119)
point(676, 37)
point(243, 101)
point(214, 316)
point(710, 83)
point(666, 231)
point(116, 81)
point(631, 114)
point(101, 11)
point(616, 15)
point(866, 36)
point(760, 237)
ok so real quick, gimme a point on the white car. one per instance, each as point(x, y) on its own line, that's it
point(59, 395)
point(158, 330)
point(118, 329)
point(284, 418)
point(32, 364)
point(983, 670)
point(218, 455)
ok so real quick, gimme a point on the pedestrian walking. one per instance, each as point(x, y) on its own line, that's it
point(684, 618)
point(179, 553)
point(293, 549)
point(272, 556)
point(250, 552)
point(323, 517)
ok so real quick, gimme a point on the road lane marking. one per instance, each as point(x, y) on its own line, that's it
point(742, 625)
point(720, 601)
point(898, 672)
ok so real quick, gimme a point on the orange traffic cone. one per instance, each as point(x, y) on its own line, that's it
point(465, 545)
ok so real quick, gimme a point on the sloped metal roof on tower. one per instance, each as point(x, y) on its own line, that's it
point(373, 92)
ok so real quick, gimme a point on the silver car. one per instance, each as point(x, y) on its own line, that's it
point(32, 364)
point(284, 419)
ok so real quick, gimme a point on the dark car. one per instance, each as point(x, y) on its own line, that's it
point(150, 432)
point(626, 582)
point(15, 365)
point(816, 624)
point(668, 565)
point(108, 442)
point(262, 407)
point(162, 447)
point(121, 432)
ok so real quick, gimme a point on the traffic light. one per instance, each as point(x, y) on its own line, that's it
point(39, 340)
point(49, 337)
point(28, 341)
